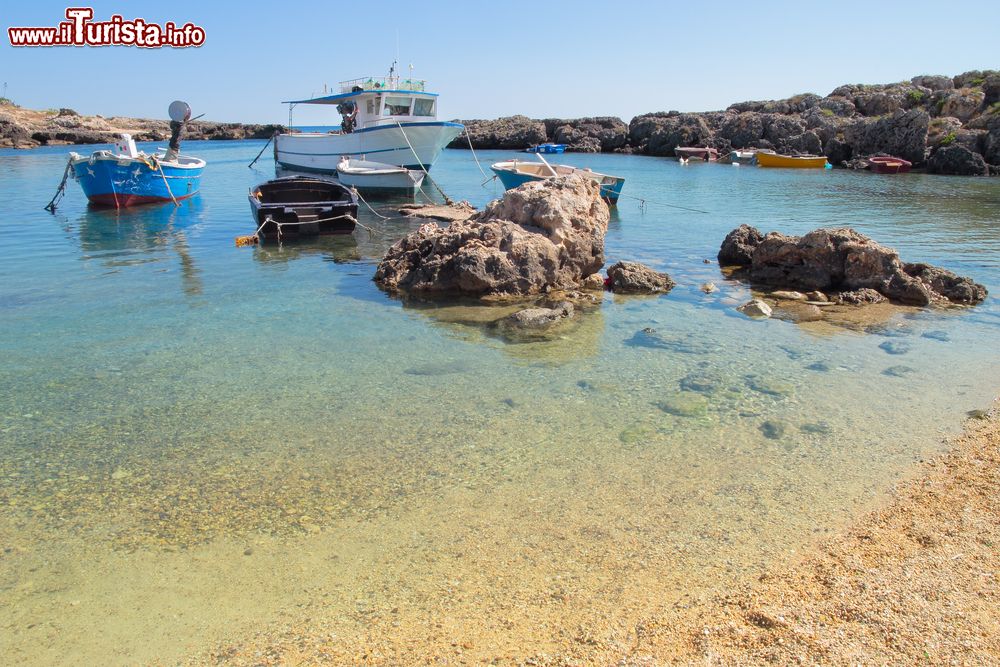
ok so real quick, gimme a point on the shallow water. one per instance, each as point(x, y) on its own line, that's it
point(199, 441)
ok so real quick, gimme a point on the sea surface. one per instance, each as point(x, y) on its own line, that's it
point(200, 442)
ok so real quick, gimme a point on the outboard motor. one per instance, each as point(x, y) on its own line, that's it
point(179, 113)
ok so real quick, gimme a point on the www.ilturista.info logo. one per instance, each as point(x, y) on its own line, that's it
point(79, 30)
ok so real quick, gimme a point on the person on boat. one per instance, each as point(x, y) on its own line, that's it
point(349, 111)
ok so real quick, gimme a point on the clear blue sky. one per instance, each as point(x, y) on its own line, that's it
point(490, 59)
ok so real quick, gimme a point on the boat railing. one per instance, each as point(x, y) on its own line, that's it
point(383, 83)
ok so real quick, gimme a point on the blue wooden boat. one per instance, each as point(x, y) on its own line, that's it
point(546, 148)
point(125, 177)
point(515, 173)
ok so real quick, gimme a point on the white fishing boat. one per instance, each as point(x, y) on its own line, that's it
point(389, 119)
point(366, 175)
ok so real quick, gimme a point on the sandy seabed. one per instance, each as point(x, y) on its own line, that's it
point(912, 582)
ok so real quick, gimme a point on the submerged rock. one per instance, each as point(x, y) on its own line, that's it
point(773, 429)
point(895, 347)
point(534, 323)
point(636, 278)
point(541, 236)
point(756, 309)
point(847, 261)
point(684, 404)
point(898, 371)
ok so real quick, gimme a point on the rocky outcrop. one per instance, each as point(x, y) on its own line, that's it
point(738, 246)
point(903, 134)
point(510, 133)
point(854, 120)
point(541, 236)
point(843, 260)
point(957, 160)
point(26, 128)
point(588, 135)
point(636, 278)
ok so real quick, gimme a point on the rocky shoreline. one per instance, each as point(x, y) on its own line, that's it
point(946, 125)
point(27, 128)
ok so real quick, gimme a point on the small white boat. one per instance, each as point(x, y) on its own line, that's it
point(378, 176)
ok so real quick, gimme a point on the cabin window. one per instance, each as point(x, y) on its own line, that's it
point(371, 107)
point(423, 107)
point(397, 106)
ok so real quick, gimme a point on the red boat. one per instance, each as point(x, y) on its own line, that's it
point(886, 164)
point(696, 153)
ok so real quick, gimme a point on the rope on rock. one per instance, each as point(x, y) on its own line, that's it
point(447, 199)
point(61, 190)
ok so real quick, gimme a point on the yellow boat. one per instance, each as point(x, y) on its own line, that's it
point(804, 162)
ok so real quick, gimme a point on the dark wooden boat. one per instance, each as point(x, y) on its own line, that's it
point(696, 153)
point(299, 206)
point(886, 164)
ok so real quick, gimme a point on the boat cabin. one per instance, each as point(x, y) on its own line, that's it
point(373, 101)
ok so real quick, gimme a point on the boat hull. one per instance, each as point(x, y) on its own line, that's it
point(547, 148)
point(791, 162)
point(300, 207)
point(890, 165)
point(611, 186)
point(369, 176)
point(695, 153)
point(118, 182)
point(320, 153)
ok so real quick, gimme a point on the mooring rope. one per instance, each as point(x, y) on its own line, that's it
point(447, 199)
point(642, 204)
point(376, 213)
point(165, 184)
point(250, 166)
point(61, 190)
point(469, 139)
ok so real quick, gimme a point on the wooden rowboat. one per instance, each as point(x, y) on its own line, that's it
point(886, 164)
point(298, 206)
point(696, 153)
point(791, 161)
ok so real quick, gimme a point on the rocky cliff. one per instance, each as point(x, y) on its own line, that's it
point(947, 124)
point(26, 128)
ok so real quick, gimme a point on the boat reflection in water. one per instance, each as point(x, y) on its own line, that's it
point(120, 238)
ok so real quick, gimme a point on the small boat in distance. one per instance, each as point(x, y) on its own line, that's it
point(514, 173)
point(125, 176)
point(368, 176)
point(546, 148)
point(298, 206)
point(887, 164)
point(685, 153)
point(791, 161)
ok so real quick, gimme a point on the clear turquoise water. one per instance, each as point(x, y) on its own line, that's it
point(168, 400)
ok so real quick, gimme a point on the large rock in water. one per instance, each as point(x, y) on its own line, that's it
point(957, 160)
point(540, 236)
point(840, 260)
point(636, 278)
point(738, 246)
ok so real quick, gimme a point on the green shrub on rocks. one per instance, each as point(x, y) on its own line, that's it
point(948, 139)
